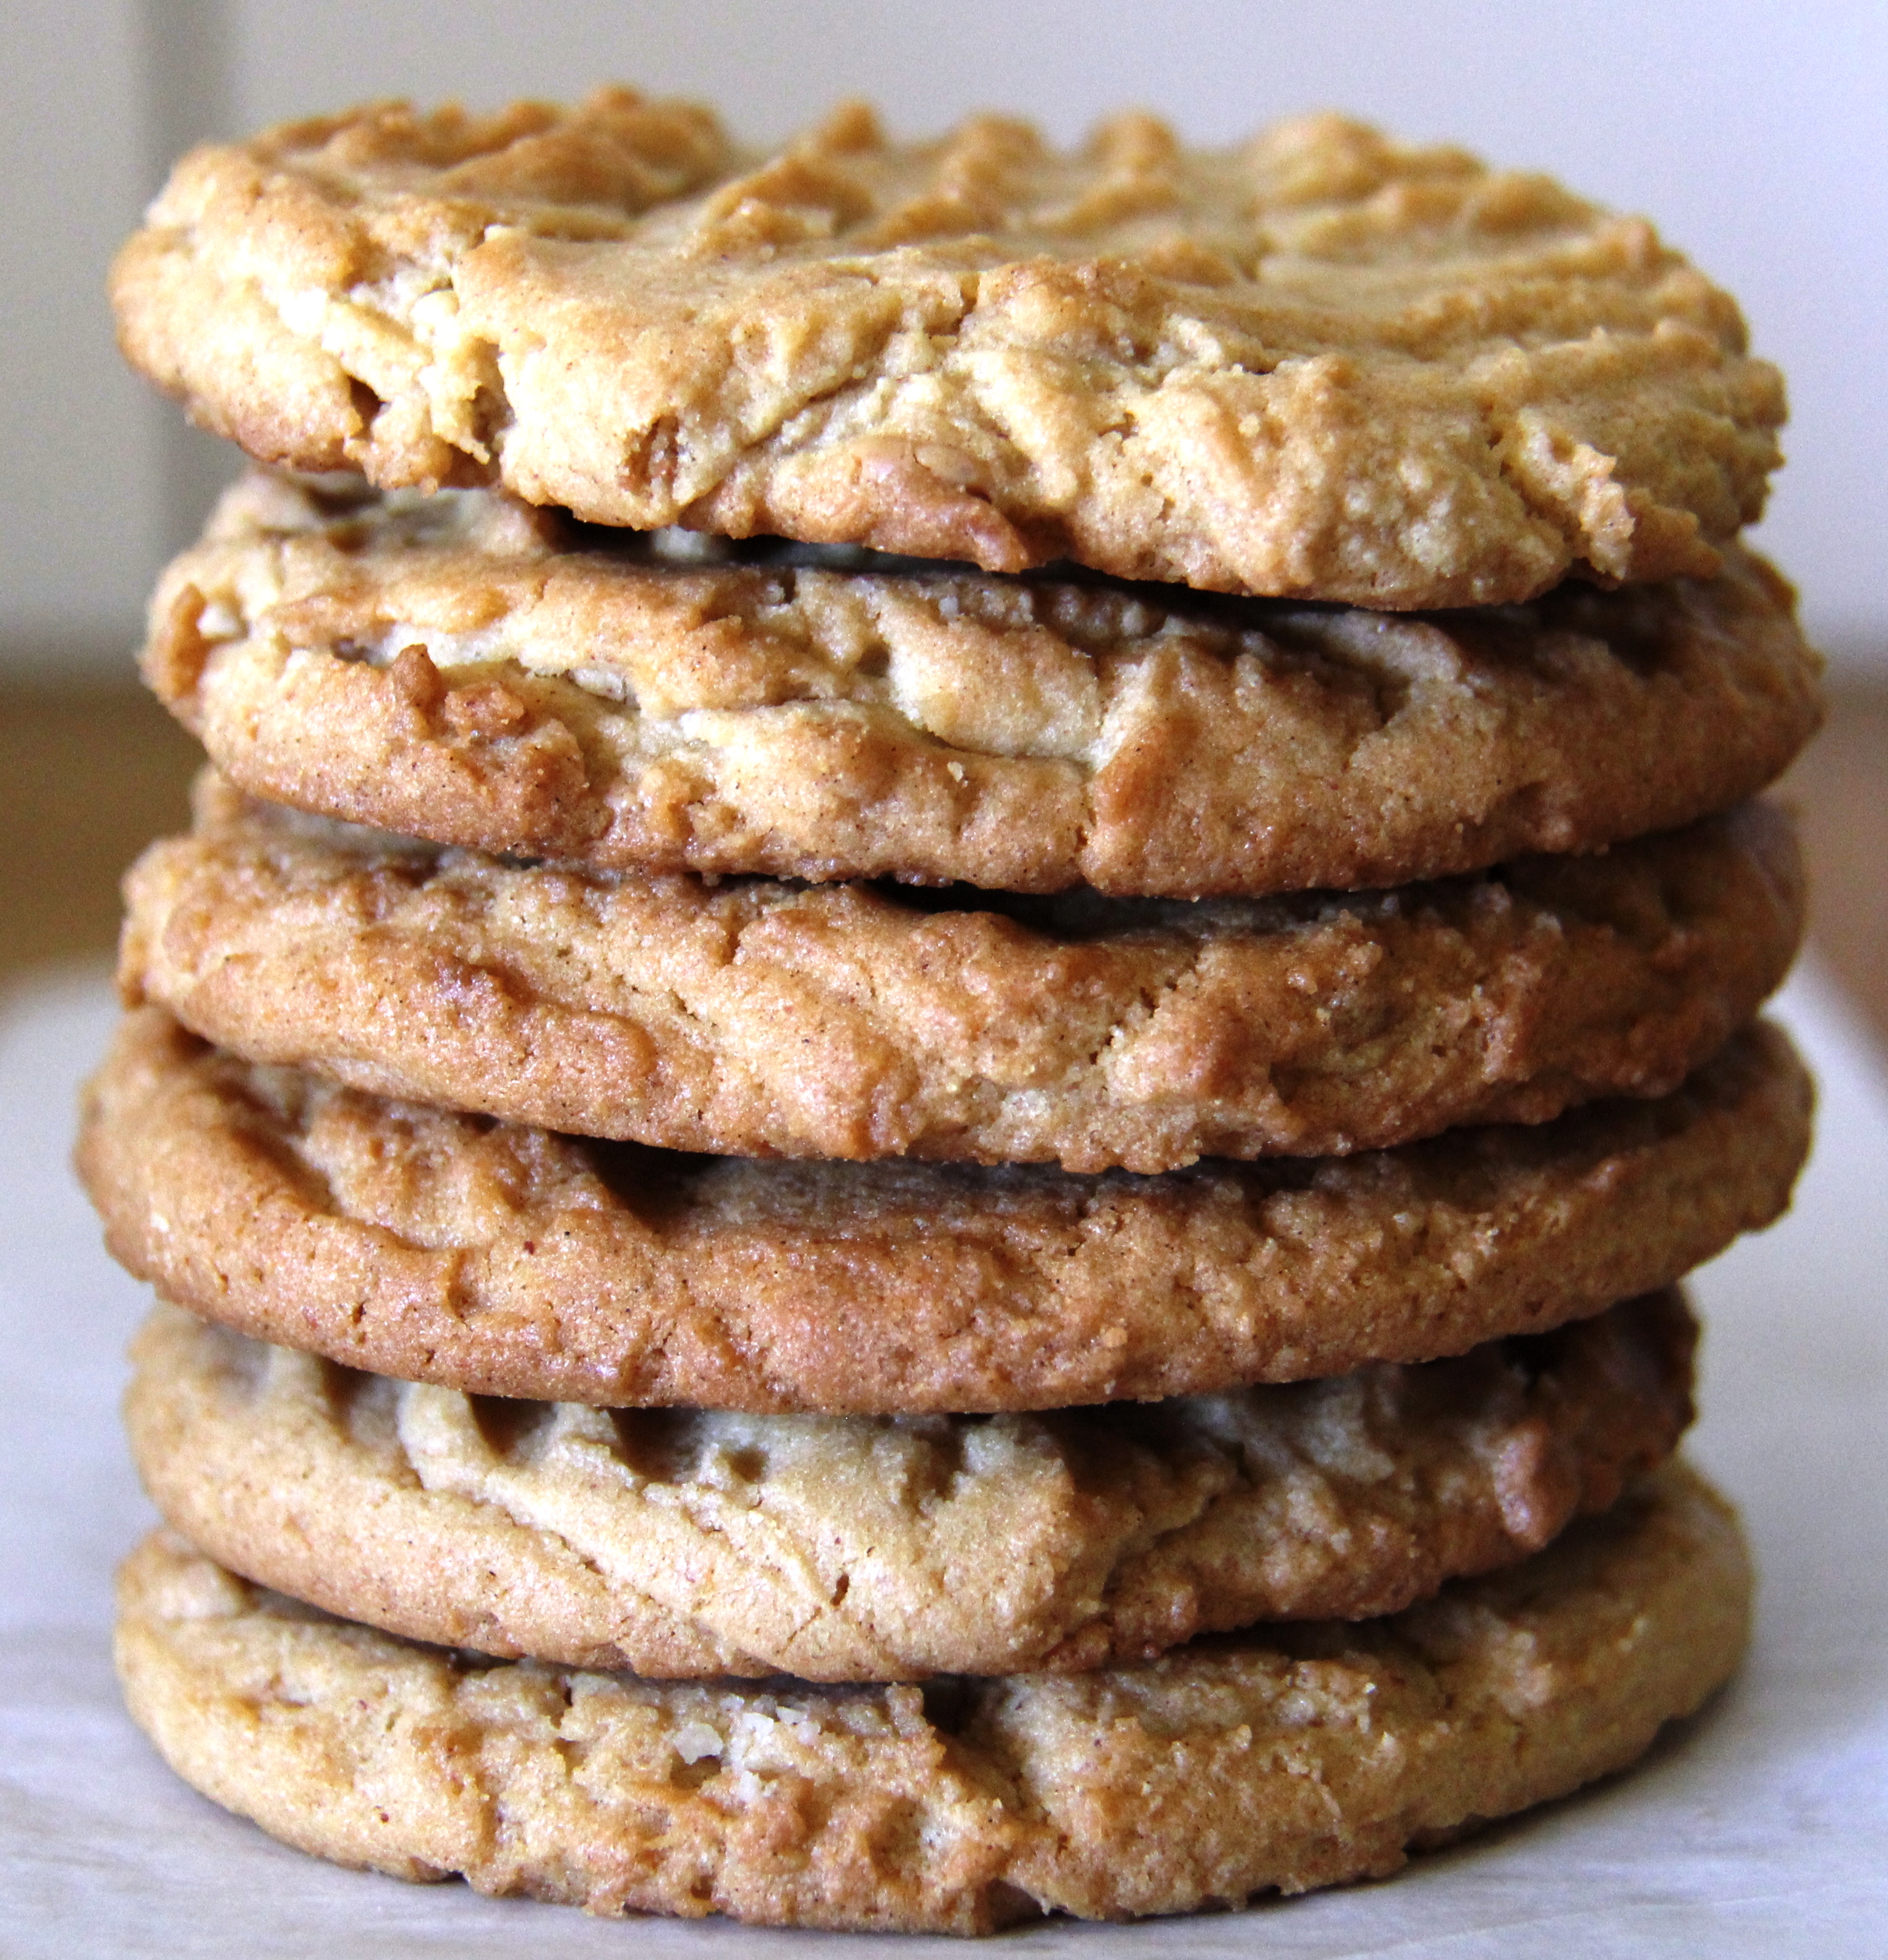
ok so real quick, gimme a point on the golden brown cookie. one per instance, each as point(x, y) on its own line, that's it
point(848, 1021)
point(474, 671)
point(1320, 365)
point(692, 1542)
point(409, 1241)
point(1286, 1757)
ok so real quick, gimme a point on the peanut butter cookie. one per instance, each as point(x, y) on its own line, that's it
point(700, 1542)
point(411, 1241)
point(474, 671)
point(1319, 364)
point(758, 1018)
point(1286, 1756)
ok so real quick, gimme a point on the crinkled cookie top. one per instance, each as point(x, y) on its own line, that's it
point(1320, 363)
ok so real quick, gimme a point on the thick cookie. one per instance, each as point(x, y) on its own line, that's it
point(694, 1542)
point(849, 1021)
point(474, 671)
point(1287, 1757)
point(409, 1241)
point(1321, 365)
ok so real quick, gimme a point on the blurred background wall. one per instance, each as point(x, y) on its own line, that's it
point(1756, 133)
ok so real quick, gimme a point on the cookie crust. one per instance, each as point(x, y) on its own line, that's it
point(691, 1542)
point(471, 670)
point(409, 1241)
point(852, 1022)
point(1287, 1758)
point(1322, 365)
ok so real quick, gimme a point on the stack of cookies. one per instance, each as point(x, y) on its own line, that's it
point(975, 934)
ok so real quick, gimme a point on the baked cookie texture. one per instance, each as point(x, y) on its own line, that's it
point(414, 1242)
point(470, 670)
point(1320, 365)
point(974, 935)
point(692, 1542)
point(1287, 1758)
point(851, 1022)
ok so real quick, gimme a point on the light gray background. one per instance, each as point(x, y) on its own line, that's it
point(1756, 133)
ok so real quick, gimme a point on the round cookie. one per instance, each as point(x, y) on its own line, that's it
point(693, 1542)
point(409, 1241)
point(759, 1018)
point(472, 670)
point(1320, 365)
point(1289, 1757)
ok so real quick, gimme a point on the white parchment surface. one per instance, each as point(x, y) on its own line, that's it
point(1759, 1828)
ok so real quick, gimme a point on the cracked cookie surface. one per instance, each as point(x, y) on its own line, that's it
point(694, 1542)
point(410, 1241)
point(474, 671)
point(757, 1018)
point(1320, 365)
point(1286, 1757)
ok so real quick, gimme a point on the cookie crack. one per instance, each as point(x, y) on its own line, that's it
point(1572, 534)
